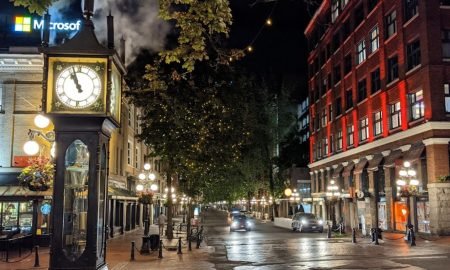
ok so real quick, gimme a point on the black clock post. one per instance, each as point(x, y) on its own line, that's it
point(82, 93)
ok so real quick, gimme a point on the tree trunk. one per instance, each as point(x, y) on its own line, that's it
point(169, 203)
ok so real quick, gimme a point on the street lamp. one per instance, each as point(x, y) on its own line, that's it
point(407, 185)
point(145, 185)
point(31, 147)
point(332, 194)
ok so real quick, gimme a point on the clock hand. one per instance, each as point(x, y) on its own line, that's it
point(73, 76)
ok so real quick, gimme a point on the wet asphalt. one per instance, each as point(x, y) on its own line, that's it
point(269, 247)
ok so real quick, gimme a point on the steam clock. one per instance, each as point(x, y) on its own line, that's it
point(82, 96)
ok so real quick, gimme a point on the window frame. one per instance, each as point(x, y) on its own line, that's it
point(361, 54)
point(364, 129)
point(377, 123)
point(375, 81)
point(445, 41)
point(411, 8)
point(413, 54)
point(350, 135)
point(392, 69)
point(339, 140)
point(374, 39)
point(349, 99)
point(390, 24)
point(447, 97)
point(413, 103)
point(395, 113)
point(362, 90)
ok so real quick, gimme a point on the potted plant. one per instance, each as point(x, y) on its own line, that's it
point(38, 176)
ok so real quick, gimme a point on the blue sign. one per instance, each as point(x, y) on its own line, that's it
point(46, 208)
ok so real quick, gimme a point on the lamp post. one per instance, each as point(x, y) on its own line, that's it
point(407, 186)
point(332, 194)
point(31, 147)
point(146, 185)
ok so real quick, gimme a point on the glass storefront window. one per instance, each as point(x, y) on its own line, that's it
point(423, 217)
point(10, 215)
point(26, 216)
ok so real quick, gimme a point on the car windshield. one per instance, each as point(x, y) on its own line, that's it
point(304, 216)
point(240, 217)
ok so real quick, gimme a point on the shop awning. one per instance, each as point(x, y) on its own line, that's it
point(361, 165)
point(348, 169)
point(18, 191)
point(375, 162)
point(389, 161)
point(414, 153)
point(121, 194)
point(337, 171)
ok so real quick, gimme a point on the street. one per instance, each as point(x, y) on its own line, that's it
point(269, 247)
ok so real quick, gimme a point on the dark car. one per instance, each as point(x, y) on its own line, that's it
point(306, 222)
point(241, 222)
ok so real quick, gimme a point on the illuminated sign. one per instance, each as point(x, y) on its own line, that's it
point(24, 24)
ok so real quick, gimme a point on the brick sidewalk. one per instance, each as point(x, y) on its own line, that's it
point(119, 251)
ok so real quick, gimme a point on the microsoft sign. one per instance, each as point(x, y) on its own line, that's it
point(27, 24)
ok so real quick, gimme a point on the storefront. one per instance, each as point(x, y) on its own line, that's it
point(25, 212)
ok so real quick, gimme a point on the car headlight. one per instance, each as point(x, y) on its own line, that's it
point(320, 222)
point(234, 224)
point(304, 222)
point(249, 223)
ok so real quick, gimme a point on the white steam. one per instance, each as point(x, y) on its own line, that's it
point(135, 20)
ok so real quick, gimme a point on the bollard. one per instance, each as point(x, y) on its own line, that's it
point(354, 236)
point(198, 241)
point(372, 233)
point(189, 245)
point(376, 236)
point(329, 231)
point(36, 256)
point(132, 251)
point(412, 236)
point(341, 229)
point(160, 256)
point(179, 246)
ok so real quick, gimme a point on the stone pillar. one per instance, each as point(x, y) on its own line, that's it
point(371, 203)
point(439, 193)
point(322, 180)
point(112, 217)
point(312, 177)
point(390, 189)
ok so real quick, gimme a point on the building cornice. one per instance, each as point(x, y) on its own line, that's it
point(431, 141)
point(385, 141)
point(21, 62)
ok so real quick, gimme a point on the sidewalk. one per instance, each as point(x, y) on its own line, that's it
point(119, 252)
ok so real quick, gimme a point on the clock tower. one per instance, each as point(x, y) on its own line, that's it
point(82, 89)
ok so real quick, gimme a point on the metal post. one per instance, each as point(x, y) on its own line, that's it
point(36, 256)
point(160, 256)
point(189, 245)
point(329, 231)
point(179, 246)
point(412, 236)
point(132, 251)
point(354, 236)
point(198, 241)
point(376, 236)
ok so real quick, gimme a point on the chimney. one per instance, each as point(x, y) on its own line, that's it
point(46, 30)
point(88, 9)
point(110, 26)
point(122, 49)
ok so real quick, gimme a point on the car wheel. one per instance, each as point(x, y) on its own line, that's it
point(294, 229)
point(321, 231)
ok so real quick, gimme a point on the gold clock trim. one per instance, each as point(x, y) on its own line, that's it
point(51, 105)
point(114, 69)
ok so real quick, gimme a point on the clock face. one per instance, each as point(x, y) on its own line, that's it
point(78, 86)
point(115, 97)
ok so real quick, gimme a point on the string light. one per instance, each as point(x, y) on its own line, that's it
point(249, 48)
point(269, 22)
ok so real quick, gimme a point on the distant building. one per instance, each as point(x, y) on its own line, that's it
point(379, 87)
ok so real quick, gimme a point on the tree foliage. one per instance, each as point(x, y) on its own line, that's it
point(34, 6)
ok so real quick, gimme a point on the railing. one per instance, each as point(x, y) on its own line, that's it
point(15, 243)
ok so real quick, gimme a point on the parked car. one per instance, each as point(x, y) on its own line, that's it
point(306, 222)
point(241, 222)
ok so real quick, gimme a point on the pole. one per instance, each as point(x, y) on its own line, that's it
point(36, 256)
point(354, 236)
point(160, 255)
point(179, 246)
point(132, 251)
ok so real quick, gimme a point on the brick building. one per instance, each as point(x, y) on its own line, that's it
point(379, 75)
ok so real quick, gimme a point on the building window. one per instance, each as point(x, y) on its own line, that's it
point(348, 99)
point(337, 74)
point(359, 15)
point(350, 134)
point(336, 41)
point(362, 90)
point(2, 109)
point(391, 24)
point(416, 105)
point(330, 113)
point(319, 150)
point(375, 82)
point(338, 106)
point(137, 158)
point(395, 116)
point(363, 129)
point(447, 97)
point(360, 52)
point(445, 2)
point(324, 117)
point(346, 30)
point(392, 68)
point(445, 37)
point(411, 9)
point(347, 64)
point(374, 40)
point(129, 153)
point(325, 147)
point(377, 123)
point(335, 9)
point(413, 54)
point(339, 142)
point(332, 142)
point(372, 4)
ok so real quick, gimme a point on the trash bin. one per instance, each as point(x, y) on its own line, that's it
point(154, 241)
